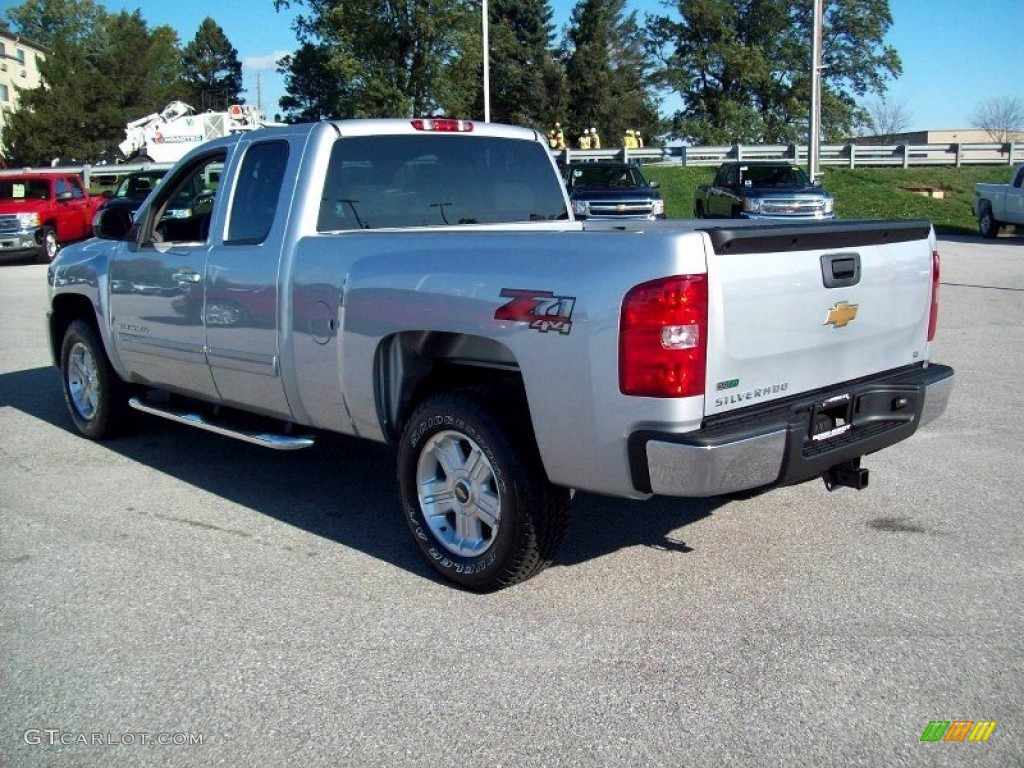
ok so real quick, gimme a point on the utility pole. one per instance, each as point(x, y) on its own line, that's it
point(259, 95)
point(487, 64)
point(814, 134)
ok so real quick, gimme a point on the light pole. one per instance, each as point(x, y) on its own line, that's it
point(814, 137)
point(487, 65)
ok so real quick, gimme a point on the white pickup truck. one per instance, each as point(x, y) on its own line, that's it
point(999, 204)
point(422, 283)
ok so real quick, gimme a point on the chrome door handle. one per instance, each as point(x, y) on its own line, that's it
point(186, 277)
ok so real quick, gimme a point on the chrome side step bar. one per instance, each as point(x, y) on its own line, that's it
point(266, 439)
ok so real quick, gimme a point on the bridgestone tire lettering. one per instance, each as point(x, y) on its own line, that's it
point(533, 512)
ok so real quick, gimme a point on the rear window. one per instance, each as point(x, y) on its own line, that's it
point(378, 182)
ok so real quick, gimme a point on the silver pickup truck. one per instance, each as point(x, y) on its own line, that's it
point(423, 284)
point(999, 204)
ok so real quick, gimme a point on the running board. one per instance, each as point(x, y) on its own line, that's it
point(267, 440)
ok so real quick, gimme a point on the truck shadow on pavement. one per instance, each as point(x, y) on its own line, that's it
point(343, 489)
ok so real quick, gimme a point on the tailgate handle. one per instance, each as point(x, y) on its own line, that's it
point(840, 270)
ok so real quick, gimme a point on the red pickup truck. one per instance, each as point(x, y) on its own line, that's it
point(39, 212)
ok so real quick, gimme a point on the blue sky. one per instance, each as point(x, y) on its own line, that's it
point(955, 53)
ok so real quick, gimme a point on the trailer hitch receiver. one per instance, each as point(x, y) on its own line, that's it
point(848, 474)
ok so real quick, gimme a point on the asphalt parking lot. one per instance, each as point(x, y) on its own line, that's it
point(175, 586)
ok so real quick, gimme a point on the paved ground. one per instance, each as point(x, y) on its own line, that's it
point(273, 605)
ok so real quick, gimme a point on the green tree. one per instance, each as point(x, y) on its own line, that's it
point(742, 67)
point(607, 70)
point(212, 71)
point(395, 59)
point(522, 63)
point(93, 83)
point(54, 22)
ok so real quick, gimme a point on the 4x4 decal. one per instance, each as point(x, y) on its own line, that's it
point(541, 309)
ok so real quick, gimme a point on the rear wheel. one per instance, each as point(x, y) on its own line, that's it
point(97, 399)
point(475, 497)
point(987, 224)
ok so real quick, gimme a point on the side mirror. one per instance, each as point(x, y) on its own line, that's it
point(63, 197)
point(112, 223)
point(653, 184)
point(816, 183)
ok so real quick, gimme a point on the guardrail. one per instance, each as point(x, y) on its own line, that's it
point(849, 155)
point(106, 175)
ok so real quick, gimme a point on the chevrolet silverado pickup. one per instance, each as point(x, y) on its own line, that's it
point(423, 283)
point(999, 204)
point(612, 190)
point(766, 190)
point(40, 211)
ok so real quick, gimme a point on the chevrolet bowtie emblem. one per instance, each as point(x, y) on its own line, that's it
point(841, 315)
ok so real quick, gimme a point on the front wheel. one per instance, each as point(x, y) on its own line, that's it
point(95, 396)
point(476, 499)
point(987, 224)
point(48, 239)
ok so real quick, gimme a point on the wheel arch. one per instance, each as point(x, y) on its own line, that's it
point(412, 365)
point(66, 308)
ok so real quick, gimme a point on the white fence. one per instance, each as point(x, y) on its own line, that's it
point(848, 155)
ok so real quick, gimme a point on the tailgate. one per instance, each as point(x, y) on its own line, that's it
point(799, 308)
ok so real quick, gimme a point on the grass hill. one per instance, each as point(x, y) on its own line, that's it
point(864, 193)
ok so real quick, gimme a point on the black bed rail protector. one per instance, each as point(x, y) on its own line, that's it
point(775, 238)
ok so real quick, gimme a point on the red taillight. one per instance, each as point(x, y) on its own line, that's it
point(933, 314)
point(443, 125)
point(663, 338)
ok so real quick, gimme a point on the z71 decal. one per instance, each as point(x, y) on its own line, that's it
point(541, 309)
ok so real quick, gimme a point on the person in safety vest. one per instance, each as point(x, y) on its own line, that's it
point(595, 140)
point(559, 136)
point(638, 139)
point(629, 142)
point(552, 141)
point(584, 140)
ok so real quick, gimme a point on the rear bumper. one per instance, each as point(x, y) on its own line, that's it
point(773, 444)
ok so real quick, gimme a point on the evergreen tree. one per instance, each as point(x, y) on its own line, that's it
point(522, 61)
point(51, 23)
point(742, 67)
point(396, 59)
point(213, 73)
point(94, 82)
point(607, 70)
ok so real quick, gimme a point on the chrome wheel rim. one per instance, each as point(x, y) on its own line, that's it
point(458, 494)
point(83, 380)
point(50, 243)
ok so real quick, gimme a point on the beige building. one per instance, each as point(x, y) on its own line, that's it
point(19, 70)
point(945, 136)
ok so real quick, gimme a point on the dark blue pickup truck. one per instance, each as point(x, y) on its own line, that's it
point(763, 190)
point(612, 190)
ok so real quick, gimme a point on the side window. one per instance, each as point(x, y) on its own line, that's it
point(1019, 181)
point(254, 204)
point(62, 187)
point(76, 189)
point(182, 210)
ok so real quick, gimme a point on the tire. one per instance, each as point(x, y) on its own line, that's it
point(97, 399)
point(48, 239)
point(987, 225)
point(475, 497)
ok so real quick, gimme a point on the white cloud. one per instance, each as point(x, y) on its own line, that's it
point(261, 63)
